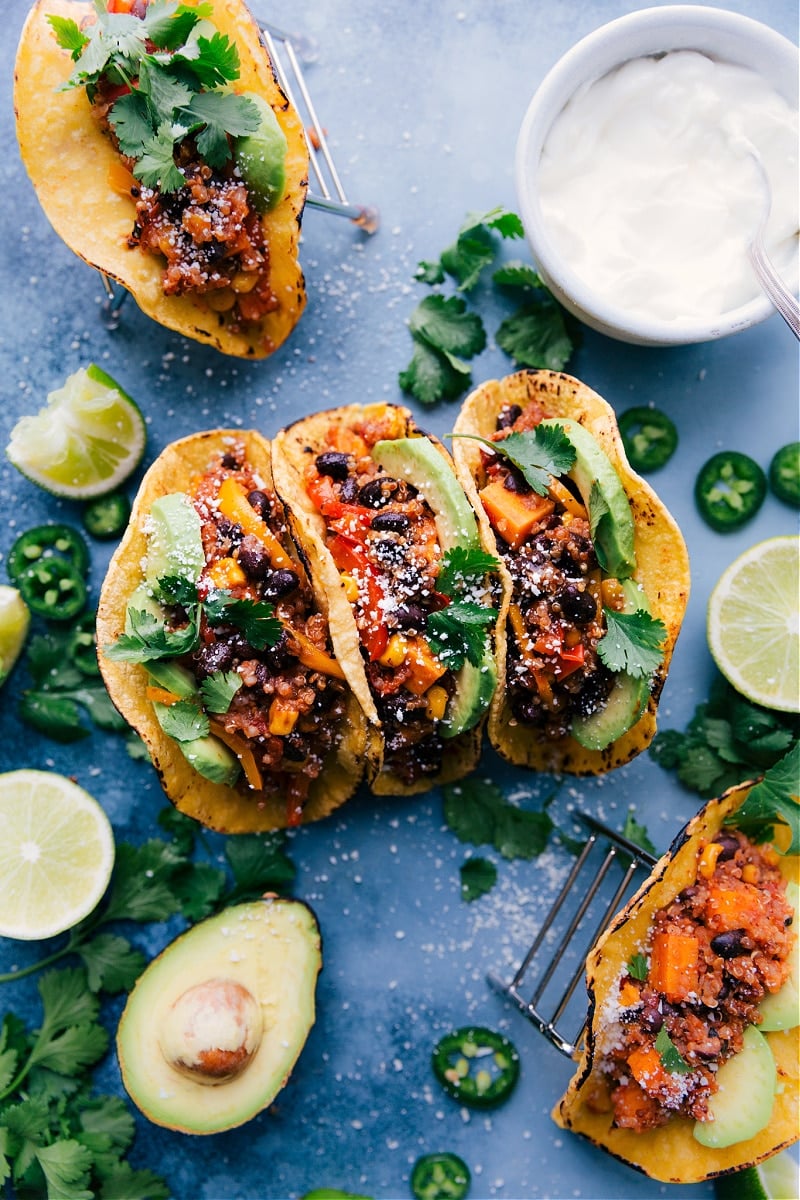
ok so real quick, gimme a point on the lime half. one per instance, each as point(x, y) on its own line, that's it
point(777, 1178)
point(754, 624)
point(56, 854)
point(14, 621)
point(86, 442)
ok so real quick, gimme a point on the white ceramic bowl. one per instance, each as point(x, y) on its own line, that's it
point(714, 32)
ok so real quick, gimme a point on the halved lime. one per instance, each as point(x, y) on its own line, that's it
point(14, 621)
point(777, 1178)
point(56, 854)
point(86, 442)
point(754, 624)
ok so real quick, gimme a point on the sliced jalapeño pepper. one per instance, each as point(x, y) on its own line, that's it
point(730, 489)
point(53, 588)
point(442, 1176)
point(82, 646)
point(784, 474)
point(47, 542)
point(649, 437)
point(107, 516)
point(476, 1066)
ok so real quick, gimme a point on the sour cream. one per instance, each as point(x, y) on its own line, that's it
point(647, 190)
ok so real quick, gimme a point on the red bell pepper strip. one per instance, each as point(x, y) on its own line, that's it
point(350, 555)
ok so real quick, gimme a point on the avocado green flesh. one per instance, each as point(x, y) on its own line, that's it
point(173, 677)
point(742, 1105)
point(174, 544)
point(628, 698)
point(270, 947)
point(261, 158)
point(781, 1010)
point(592, 471)
point(419, 462)
point(210, 757)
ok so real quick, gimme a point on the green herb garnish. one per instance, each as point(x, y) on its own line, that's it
point(773, 801)
point(462, 567)
point(457, 634)
point(63, 692)
point(478, 876)
point(444, 334)
point(632, 642)
point(671, 1058)
point(476, 811)
point(637, 967)
point(540, 453)
point(219, 689)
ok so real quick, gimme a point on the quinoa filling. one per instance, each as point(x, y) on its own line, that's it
point(382, 536)
point(286, 717)
point(714, 953)
point(553, 671)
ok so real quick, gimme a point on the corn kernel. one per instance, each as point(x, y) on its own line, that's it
point(221, 299)
point(350, 588)
point(281, 719)
point(244, 281)
point(395, 653)
point(436, 703)
point(708, 859)
point(750, 873)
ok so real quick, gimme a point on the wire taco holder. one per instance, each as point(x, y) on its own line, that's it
point(589, 899)
point(288, 52)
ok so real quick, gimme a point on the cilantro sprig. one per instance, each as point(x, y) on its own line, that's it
point(457, 633)
point(177, 81)
point(637, 967)
point(540, 453)
point(477, 812)
point(66, 685)
point(774, 800)
point(633, 642)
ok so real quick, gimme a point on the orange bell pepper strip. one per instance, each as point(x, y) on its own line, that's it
point(242, 751)
point(512, 515)
point(160, 695)
point(310, 655)
point(674, 964)
point(234, 505)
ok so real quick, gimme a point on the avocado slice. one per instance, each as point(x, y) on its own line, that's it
point(605, 498)
point(628, 698)
point(261, 157)
point(419, 462)
point(742, 1105)
point(781, 1010)
point(215, 1024)
point(174, 543)
point(210, 757)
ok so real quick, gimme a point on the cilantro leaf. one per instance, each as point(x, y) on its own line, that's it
point(180, 827)
point(457, 634)
point(255, 618)
point(632, 643)
point(445, 324)
point(465, 260)
point(518, 275)
point(462, 566)
point(68, 33)
point(140, 883)
point(150, 639)
point(637, 967)
point(259, 864)
point(183, 721)
point(8, 1060)
point(112, 964)
point(219, 689)
point(49, 662)
point(476, 812)
point(66, 1165)
point(637, 833)
point(164, 92)
point(211, 61)
point(168, 25)
point(176, 590)
point(432, 376)
point(774, 800)
point(671, 1058)
point(221, 113)
point(538, 453)
point(109, 1115)
point(51, 714)
point(536, 336)
point(156, 166)
point(123, 1183)
point(478, 876)
point(429, 272)
point(198, 886)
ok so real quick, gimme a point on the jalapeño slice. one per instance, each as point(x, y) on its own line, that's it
point(730, 489)
point(476, 1066)
point(48, 542)
point(82, 646)
point(442, 1176)
point(649, 437)
point(107, 516)
point(53, 588)
point(784, 474)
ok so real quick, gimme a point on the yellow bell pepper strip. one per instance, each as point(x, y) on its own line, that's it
point(242, 751)
point(565, 498)
point(226, 573)
point(310, 655)
point(234, 505)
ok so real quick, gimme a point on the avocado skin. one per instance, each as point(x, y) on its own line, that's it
point(418, 461)
point(261, 158)
point(614, 531)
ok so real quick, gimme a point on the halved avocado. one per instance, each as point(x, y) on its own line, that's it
point(215, 1024)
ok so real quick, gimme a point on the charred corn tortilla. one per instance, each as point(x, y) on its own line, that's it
point(294, 449)
point(226, 809)
point(671, 1153)
point(662, 562)
point(71, 162)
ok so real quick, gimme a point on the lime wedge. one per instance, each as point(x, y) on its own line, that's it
point(56, 854)
point(85, 443)
point(777, 1178)
point(14, 621)
point(754, 624)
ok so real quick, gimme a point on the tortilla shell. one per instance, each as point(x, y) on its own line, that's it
point(662, 561)
point(293, 450)
point(69, 161)
point(225, 809)
point(671, 1153)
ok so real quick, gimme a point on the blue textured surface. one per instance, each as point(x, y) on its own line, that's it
point(422, 102)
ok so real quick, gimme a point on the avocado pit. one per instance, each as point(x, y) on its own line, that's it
point(212, 1031)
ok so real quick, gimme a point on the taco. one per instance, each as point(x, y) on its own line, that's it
point(166, 155)
point(390, 537)
point(595, 573)
point(690, 1063)
point(215, 649)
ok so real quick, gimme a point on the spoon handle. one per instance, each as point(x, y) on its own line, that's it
point(785, 303)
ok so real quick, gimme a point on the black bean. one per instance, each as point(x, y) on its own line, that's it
point(515, 481)
point(259, 501)
point(349, 492)
point(377, 492)
point(509, 413)
point(527, 708)
point(333, 463)
point(729, 846)
point(216, 656)
point(729, 944)
point(409, 616)
point(230, 462)
point(280, 583)
point(276, 657)
point(390, 522)
point(576, 605)
point(253, 559)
